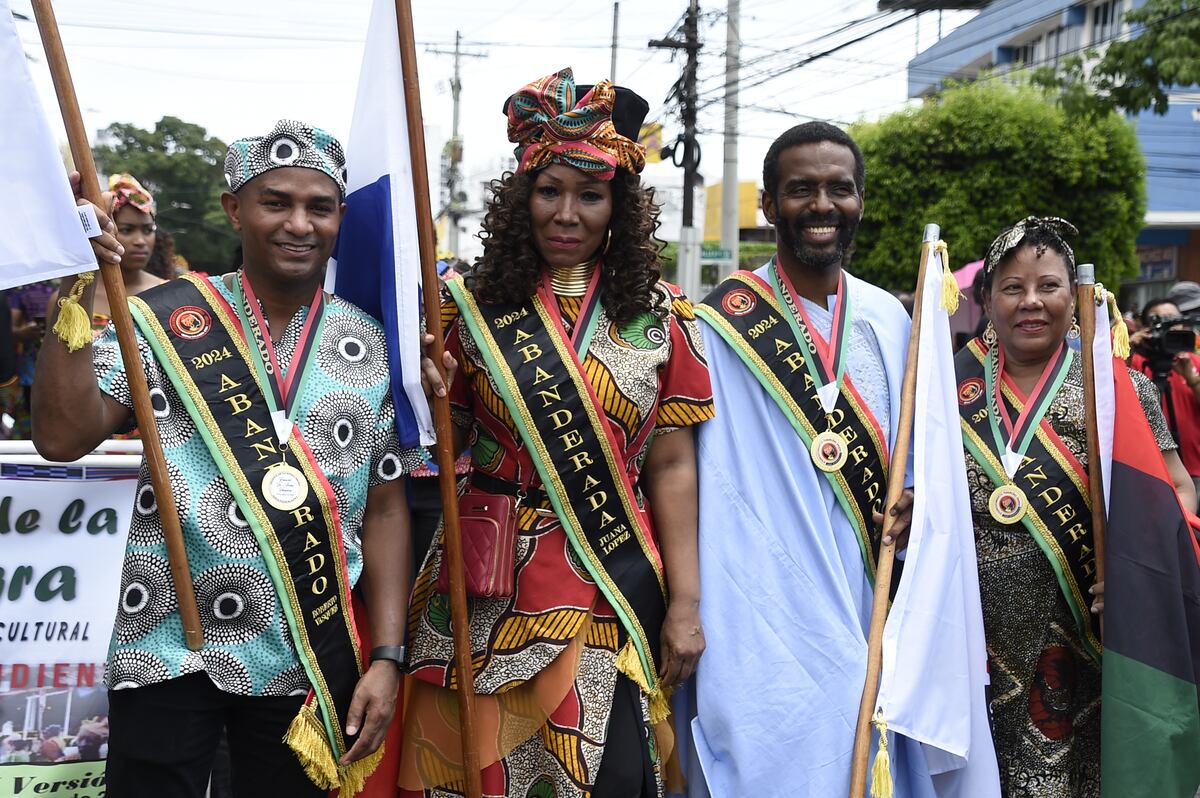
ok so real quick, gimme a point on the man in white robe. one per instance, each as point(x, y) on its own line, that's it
point(786, 597)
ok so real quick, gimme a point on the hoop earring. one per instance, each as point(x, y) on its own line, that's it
point(607, 241)
point(989, 334)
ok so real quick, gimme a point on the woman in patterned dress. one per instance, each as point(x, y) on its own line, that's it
point(1042, 646)
point(559, 717)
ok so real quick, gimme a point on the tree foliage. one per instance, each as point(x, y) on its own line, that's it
point(182, 166)
point(982, 156)
point(1134, 74)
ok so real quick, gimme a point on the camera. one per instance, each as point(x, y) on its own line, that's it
point(1166, 337)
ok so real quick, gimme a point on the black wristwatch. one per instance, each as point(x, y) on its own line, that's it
point(394, 653)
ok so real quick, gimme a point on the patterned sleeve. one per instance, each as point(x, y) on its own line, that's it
point(1152, 406)
point(110, 369)
point(388, 460)
point(685, 397)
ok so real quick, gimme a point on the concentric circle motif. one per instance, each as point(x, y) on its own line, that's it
point(147, 596)
point(236, 603)
point(338, 427)
point(739, 302)
point(225, 671)
point(388, 467)
point(159, 403)
point(970, 390)
point(145, 528)
point(358, 357)
point(133, 667)
point(190, 322)
point(293, 681)
point(283, 151)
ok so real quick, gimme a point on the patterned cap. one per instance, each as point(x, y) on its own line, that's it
point(549, 126)
point(1011, 238)
point(126, 190)
point(290, 143)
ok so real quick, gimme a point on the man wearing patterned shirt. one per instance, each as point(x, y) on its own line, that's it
point(273, 404)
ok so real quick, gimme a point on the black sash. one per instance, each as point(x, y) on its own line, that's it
point(746, 313)
point(198, 341)
point(538, 374)
point(1058, 511)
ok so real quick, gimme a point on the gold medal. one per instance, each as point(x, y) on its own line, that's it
point(1007, 504)
point(285, 487)
point(828, 451)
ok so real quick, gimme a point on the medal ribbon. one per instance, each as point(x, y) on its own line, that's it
point(284, 387)
point(589, 310)
point(832, 354)
point(1020, 433)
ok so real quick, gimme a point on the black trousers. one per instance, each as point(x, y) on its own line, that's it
point(625, 769)
point(163, 737)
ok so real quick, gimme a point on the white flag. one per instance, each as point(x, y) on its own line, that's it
point(377, 264)
point(41, 236)
point(934, 679)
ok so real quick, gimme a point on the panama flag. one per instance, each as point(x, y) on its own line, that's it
point(1149, 707)
point(934, 679)
point(40, 233)
point(377, 264)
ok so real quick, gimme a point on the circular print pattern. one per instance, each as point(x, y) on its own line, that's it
point(236, 603)
point(145, 528)
point(226, 672)
point(147, 596)
point(338, 427)
point(133, 667)
point(358, 357)
point(293, 681)
point(283, 151)
point(222, 523)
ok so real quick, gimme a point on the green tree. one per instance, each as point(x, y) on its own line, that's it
point(979, 157)
point(1134, 74)
point(182, 166)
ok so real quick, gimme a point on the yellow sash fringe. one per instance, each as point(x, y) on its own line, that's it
point(306, 737)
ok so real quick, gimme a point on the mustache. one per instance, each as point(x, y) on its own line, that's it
point(834, 219)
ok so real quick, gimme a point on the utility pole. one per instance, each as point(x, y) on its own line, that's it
point(730, 190)
point(456, 206)
point(612, 70)
point(689, 239)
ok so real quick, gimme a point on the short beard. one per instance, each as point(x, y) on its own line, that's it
point(791, 237)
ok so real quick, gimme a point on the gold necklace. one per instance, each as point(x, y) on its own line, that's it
point(572, 280)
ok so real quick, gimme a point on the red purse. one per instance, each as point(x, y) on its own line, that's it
point(488, 522)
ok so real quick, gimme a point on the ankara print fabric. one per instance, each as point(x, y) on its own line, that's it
point(651, 378)
point(347, 419)
point(1045, 688)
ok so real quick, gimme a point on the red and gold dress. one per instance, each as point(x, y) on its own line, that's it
point(544, 659)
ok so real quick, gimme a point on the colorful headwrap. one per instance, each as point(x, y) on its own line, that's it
point(1011, 238)
point(290, 143)
point(549, 126)
point(126, 190)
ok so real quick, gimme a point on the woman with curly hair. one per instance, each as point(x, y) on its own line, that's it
point(581, 376)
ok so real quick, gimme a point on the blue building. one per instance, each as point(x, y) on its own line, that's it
point(1009, 35)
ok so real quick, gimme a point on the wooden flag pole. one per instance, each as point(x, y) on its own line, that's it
point(110, 272)
point(887, 554)
point(441, 406)
point(1086, 301)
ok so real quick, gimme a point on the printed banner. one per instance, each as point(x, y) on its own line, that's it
point(62, 538)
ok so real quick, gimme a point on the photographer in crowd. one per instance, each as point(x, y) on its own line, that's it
point(1163, 350)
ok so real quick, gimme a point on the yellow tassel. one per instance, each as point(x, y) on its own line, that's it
point(660, 706)
point(1120, 332)
point(73, 327)
point(950, 292)
point(630, 664)
point(306, 737)
point(881, 771)
point(354, 776)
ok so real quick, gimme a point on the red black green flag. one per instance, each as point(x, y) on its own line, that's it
point(1150, 710)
